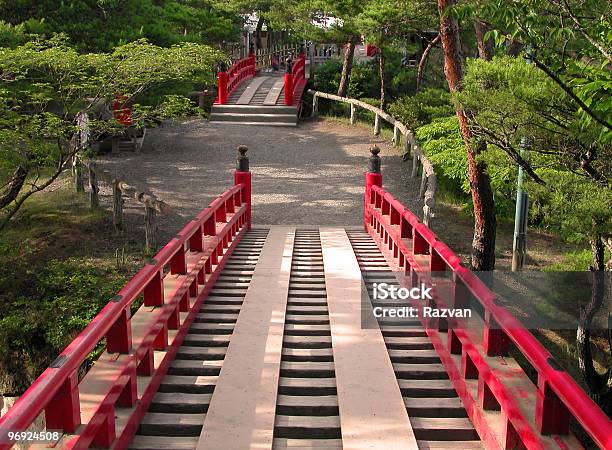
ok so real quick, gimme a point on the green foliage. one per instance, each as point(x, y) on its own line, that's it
point(571, 205)
point(46, 83)
point(570, 41)
point(442, 143)
point(574, 261)
point(421, 108)
point(101, 25)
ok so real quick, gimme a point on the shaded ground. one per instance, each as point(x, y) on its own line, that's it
point(310, 175)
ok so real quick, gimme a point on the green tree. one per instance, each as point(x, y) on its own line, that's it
point(100, 25)
point(44, 84)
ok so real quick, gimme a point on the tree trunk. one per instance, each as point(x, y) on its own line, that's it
point(347, 65)
point(599, 385)
point(260, 23)
point(597, 254)
point(483, 244)
point(14, 187)
point(423, 61)
point(381, 73)
point(485, 46)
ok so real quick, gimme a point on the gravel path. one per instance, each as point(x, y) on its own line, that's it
point(309, 175)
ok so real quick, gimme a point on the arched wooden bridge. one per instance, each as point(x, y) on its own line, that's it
point(252, 337)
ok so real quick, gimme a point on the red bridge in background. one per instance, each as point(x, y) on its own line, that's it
point(246, 97)
point(252, 337)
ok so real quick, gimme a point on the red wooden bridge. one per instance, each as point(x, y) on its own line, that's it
point(248, 97)
point(252, 337)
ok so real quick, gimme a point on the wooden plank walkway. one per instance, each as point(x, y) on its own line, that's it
point(241, 413)
point(278, 359)
point(372, 412)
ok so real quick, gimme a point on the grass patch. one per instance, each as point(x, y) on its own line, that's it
point(58, 267)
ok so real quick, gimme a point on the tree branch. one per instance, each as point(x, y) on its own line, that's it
point(569, 92)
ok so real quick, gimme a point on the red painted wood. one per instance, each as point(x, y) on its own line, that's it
point(559, 396)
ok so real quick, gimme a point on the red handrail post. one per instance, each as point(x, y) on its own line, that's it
point(223, 78)
point(373, 177)
point(289, 83)
point(243, 176)
point(119, 337)
point(64, 411)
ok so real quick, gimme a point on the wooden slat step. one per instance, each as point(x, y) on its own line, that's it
point(427, 388)
point(405, 331)
point(180, 403)
point(307, 369)
point(212, 328)
point(307, 286)
point(306, 310)
point(408, 342)
point(219, 309)
point(229, 301)
point(420, 371)
point(306, 330)
point(304, 301)
point(313, 319)
point(231, 284)
point(163, 424)
point(204, 340)
point(319, 293)
point(189, 384)
point(443, 429)
point(202, 353)
point(307, 386)
point(307, 444)
point(307, 341)
point(163, 443)
point(238, 271)
point(435, 407)
point(307, 405)
point(304, 427)
point(311, 354)
point(450, 445)
point(308, 274)
point(223, 292)
point(414, 356)
point(210, 317)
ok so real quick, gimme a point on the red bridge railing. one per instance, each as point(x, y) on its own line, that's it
point(173, 286)
point(229, 80)
point(295, 80)
point(477, 364)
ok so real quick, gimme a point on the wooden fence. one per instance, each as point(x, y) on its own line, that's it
point(120, 189)
point(315, 53)
point(429, 181)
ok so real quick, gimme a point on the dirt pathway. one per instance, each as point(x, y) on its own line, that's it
point(310, 175)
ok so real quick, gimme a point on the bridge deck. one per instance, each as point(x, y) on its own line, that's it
point(277, 358)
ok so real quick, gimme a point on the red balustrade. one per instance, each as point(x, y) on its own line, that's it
point(173, 286)
point(542, 410)
point(295, 81)
point(229, 80)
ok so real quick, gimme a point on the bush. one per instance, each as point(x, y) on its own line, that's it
point(442, 143)
point(54, 303)
point(422, 108)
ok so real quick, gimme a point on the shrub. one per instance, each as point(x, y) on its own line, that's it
point(54, 304)
point(422, 108)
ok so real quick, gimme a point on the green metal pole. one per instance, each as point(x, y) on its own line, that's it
point(520, 215)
